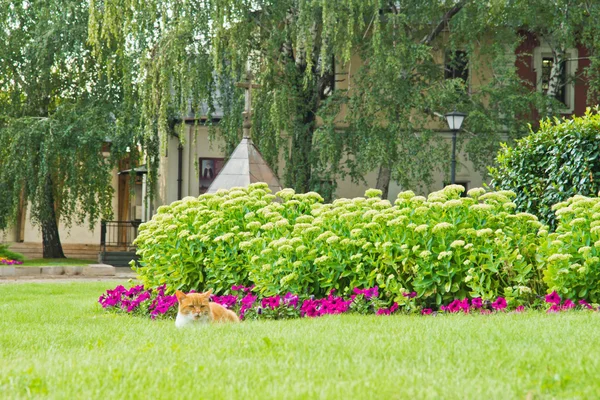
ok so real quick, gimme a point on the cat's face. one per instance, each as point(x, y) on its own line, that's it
point(193, 307)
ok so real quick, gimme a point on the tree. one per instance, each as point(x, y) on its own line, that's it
point(183, 53)
point(56, 113)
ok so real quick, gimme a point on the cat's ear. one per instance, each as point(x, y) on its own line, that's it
point(208, 292)
point(180, 295)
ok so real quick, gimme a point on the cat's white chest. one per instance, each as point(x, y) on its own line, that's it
point(184, 320)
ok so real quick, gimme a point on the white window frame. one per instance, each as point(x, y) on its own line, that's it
point(571, 63)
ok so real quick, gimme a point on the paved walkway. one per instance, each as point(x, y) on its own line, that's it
point(66, 278)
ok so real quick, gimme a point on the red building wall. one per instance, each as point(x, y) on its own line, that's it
point(525, 68)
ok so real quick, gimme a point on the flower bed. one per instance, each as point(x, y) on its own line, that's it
point(155, 303)
point(7, 261)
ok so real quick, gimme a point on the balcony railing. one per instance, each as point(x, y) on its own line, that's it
point(118, 234)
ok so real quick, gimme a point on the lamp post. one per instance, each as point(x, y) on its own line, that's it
point(455, 120)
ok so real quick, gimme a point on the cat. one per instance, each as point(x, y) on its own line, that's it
point(195, 309)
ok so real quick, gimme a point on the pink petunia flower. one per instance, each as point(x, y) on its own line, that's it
point(426, 311)
point(499, 304)
point(553, 298)
point(586, 304)
point(477, 302)
point(568, 304)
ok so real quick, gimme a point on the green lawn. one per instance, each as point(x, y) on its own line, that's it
point(56, 262)
point(56, 341)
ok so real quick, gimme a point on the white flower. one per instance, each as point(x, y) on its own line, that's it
point(584, 249)
point(409, 194)
point(559, 257)
point(444, 254)
point(475, 192)
point(282, 223)
point(421, 228)
point(304, 219)
point(457, 243)
point(484, 232)
point(333, 239)
point(442, 226)
point(577, 221)
point(425, 254)
point(268, 226)
point(373, 193)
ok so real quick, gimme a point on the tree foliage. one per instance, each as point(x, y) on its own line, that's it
point(183, 55)
point(549, 166)
point(56, 112)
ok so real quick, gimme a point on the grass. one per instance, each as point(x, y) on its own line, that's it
point(56, 262)
point(56, 342)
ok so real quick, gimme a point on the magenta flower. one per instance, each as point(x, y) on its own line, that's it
point(387, 311)
point(499, 304)
point(290, 300)
point(477, 302)
point(553, 298)
point(426, 311)
point(520, 309)
point(410, 295)
point(246, 303)
point(271, 302)
point(464, 305)
point(568, 304)
point(586, 304)
point(227, 301)
point(554, 308)
point(369, 293)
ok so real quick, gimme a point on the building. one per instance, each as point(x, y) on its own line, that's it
point(192, 161)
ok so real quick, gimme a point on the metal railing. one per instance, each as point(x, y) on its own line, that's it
point(118, 233)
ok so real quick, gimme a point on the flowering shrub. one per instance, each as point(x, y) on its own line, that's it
point(136, 300)
point(570, 257)
point(441, 247)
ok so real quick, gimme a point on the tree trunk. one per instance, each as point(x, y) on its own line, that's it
point(299, 165)
point(52, 247)
point(383, 180)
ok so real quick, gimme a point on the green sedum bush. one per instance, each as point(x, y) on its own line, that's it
point(560, 160)
point(442, 247)
point(570, 256)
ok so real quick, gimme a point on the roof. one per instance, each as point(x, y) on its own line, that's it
point(245, 166)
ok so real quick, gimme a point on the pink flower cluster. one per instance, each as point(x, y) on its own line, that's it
point(554, 299)
point(329, 305)
point(464, 306)
point(387, 311)
point(162, 303)
point(130, 300)
point(227, 301)
point(6, 261)
point(369, 293)
point(126, 299)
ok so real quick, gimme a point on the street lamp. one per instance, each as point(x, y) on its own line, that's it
point(455, 120)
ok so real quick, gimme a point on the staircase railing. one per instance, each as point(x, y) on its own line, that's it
point(118, 233)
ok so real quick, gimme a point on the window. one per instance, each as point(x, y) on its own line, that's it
point(543, 61)
point(457, 65)
point(547, 64)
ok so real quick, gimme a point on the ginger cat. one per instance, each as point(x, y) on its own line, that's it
point(195, 308)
